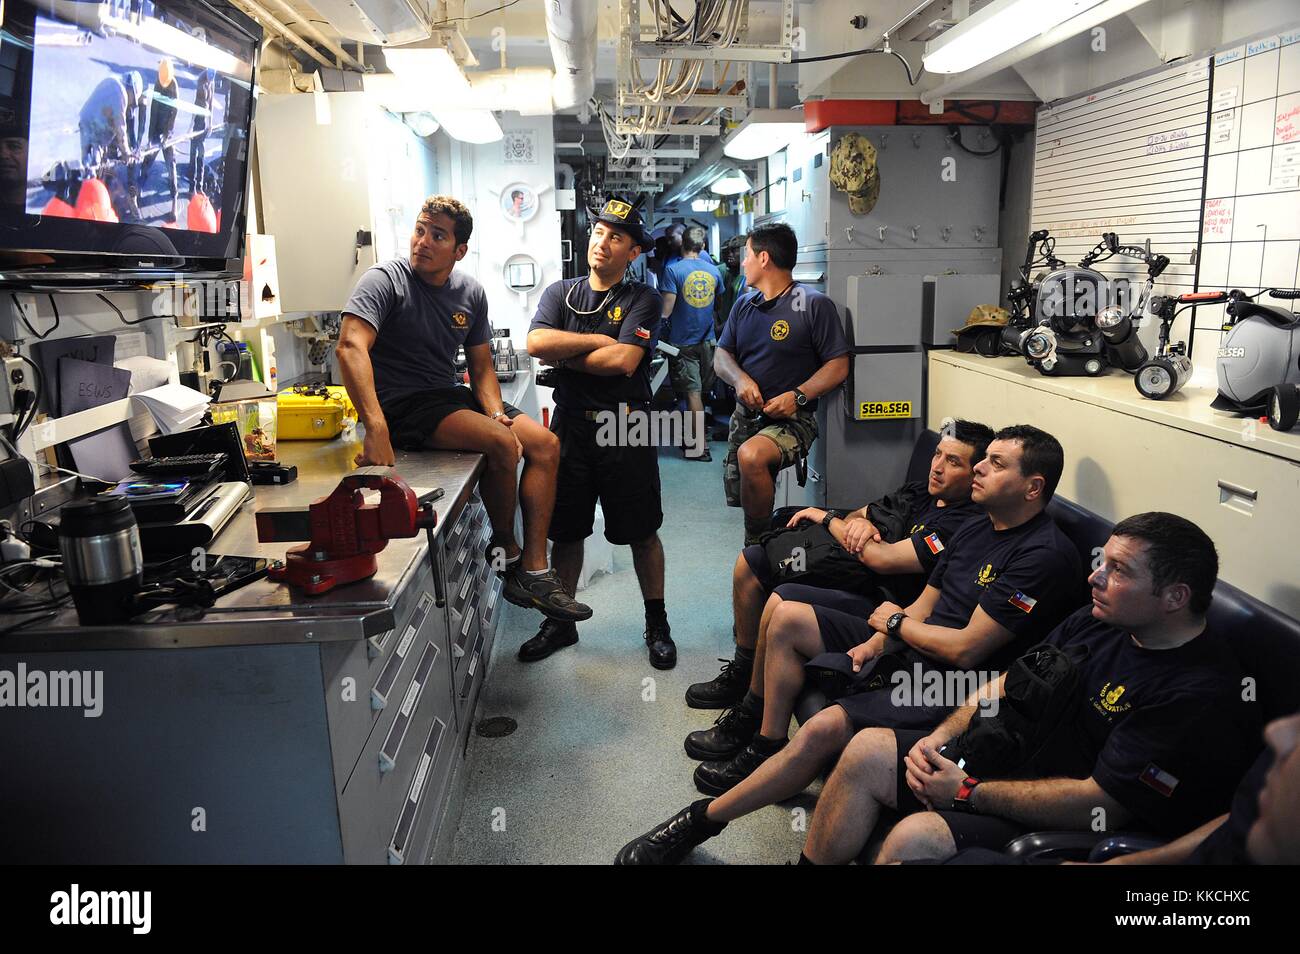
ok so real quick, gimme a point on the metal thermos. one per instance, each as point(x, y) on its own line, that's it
point(100, 543)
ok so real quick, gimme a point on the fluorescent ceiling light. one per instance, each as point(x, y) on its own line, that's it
point(434, 74)
point(422, 124)
point(704, 205)
point(996, 28)
point(764, 132)
point(730, 183)
point(469, 125)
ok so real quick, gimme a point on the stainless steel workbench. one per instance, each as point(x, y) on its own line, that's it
point(277, 728)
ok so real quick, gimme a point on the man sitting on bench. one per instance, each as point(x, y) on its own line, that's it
point(934, 511)
point(1155, 734)
point(1001, 585)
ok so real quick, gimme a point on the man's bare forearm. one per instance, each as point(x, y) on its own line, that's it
point(725, 367)
point(827, 378)
point(1177, 851)
point(552, 345)
point(359, 379)
point(1043, 803)
point(604, 362)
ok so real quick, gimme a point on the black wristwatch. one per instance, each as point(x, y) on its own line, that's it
point(800, 398)
point(830, 515)
point(894, 623)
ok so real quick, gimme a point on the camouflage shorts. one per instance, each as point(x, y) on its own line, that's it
point(793, 436)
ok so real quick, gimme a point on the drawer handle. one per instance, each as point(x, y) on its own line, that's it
point(397, 733)
point(415, 795)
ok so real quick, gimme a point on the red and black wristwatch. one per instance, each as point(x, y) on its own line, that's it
point(962, 801)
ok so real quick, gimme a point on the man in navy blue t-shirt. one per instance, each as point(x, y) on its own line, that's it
point(397, 356)
point(783, 347)
point(1154, 737)
point(1001, 584)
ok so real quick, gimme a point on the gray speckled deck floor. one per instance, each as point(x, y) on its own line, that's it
point(592, 764)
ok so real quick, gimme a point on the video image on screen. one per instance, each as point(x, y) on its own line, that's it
point(128, 120)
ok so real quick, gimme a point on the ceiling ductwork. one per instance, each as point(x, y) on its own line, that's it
point(383, 22)
point(571, 31)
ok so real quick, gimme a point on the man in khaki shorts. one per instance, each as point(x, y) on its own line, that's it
point(688, 289)
point(783, 347)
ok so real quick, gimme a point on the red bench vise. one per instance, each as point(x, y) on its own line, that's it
point(344, 531)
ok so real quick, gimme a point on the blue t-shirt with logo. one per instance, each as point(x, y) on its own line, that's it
point(695, 282)
point(783, 342)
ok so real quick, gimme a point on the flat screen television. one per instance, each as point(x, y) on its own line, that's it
point(124, 141)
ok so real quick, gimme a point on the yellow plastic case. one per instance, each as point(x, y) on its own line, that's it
point(313, 414)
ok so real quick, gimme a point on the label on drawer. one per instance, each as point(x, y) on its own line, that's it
point(882, 410)
point(407, 638)
point(417, 787)
point(412, 694)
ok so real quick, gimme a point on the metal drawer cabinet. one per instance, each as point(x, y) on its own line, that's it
point(373, 798)
point(361, 678)
point(416, 828)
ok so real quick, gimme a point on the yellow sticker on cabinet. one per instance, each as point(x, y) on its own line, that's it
point(884, 410)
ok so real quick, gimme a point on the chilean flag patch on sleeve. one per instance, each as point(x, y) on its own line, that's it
point(1022, 602)
point(641, 333)
point(934, 543)
point(1156, 777)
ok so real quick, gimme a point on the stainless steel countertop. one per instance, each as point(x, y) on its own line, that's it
point(266, 612)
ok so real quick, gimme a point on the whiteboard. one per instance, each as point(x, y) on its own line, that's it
point(1128, 158)
point(1251, 234)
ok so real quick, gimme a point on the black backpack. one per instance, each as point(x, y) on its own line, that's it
point(809, 553)
point(1042, 688)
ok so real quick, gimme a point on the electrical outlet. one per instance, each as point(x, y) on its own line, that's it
point(17, 375)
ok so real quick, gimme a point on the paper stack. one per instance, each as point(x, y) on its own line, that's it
point(174, 406)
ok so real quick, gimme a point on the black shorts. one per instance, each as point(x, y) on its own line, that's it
point(840, 632)
point(968, 831)
point(413, 418)
point(756, 557)
point(624, 479)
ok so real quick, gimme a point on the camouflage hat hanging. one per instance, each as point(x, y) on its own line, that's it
point(854, 171)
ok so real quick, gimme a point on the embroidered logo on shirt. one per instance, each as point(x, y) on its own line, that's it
point(1108, 701)
point(780, 330)
point(987, 575)
point(1155, 777)
point(1022, 602)
point(615, 314)
point(934, 543)
point(642, 333)
point(460, 319)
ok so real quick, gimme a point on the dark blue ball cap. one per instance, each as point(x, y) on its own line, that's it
point(623, 215)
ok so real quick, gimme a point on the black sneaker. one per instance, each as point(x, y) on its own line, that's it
point(552, 636)
point(715, 778)
point(724, 691)
point(670, 842)
point(706, 456)
point(543, 592)
point(730, 733)
point(659, 640)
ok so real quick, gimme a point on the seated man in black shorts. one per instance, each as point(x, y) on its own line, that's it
point(1155, 736)
point(935, 510)
point(397, 354)
point(1000, 585)
point(938, 506)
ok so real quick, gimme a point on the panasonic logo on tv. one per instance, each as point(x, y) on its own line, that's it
point(77, 907)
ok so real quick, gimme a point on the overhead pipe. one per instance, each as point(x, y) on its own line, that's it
point(571, 32)
point(343, 55)
point(712, 161)
point(267, 19)
point(1070, 28)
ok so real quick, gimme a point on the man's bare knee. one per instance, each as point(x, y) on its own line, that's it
point(919, 837)
point(825, 734)
point(502, 451)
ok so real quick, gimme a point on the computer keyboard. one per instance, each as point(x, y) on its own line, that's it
point(189, 465)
